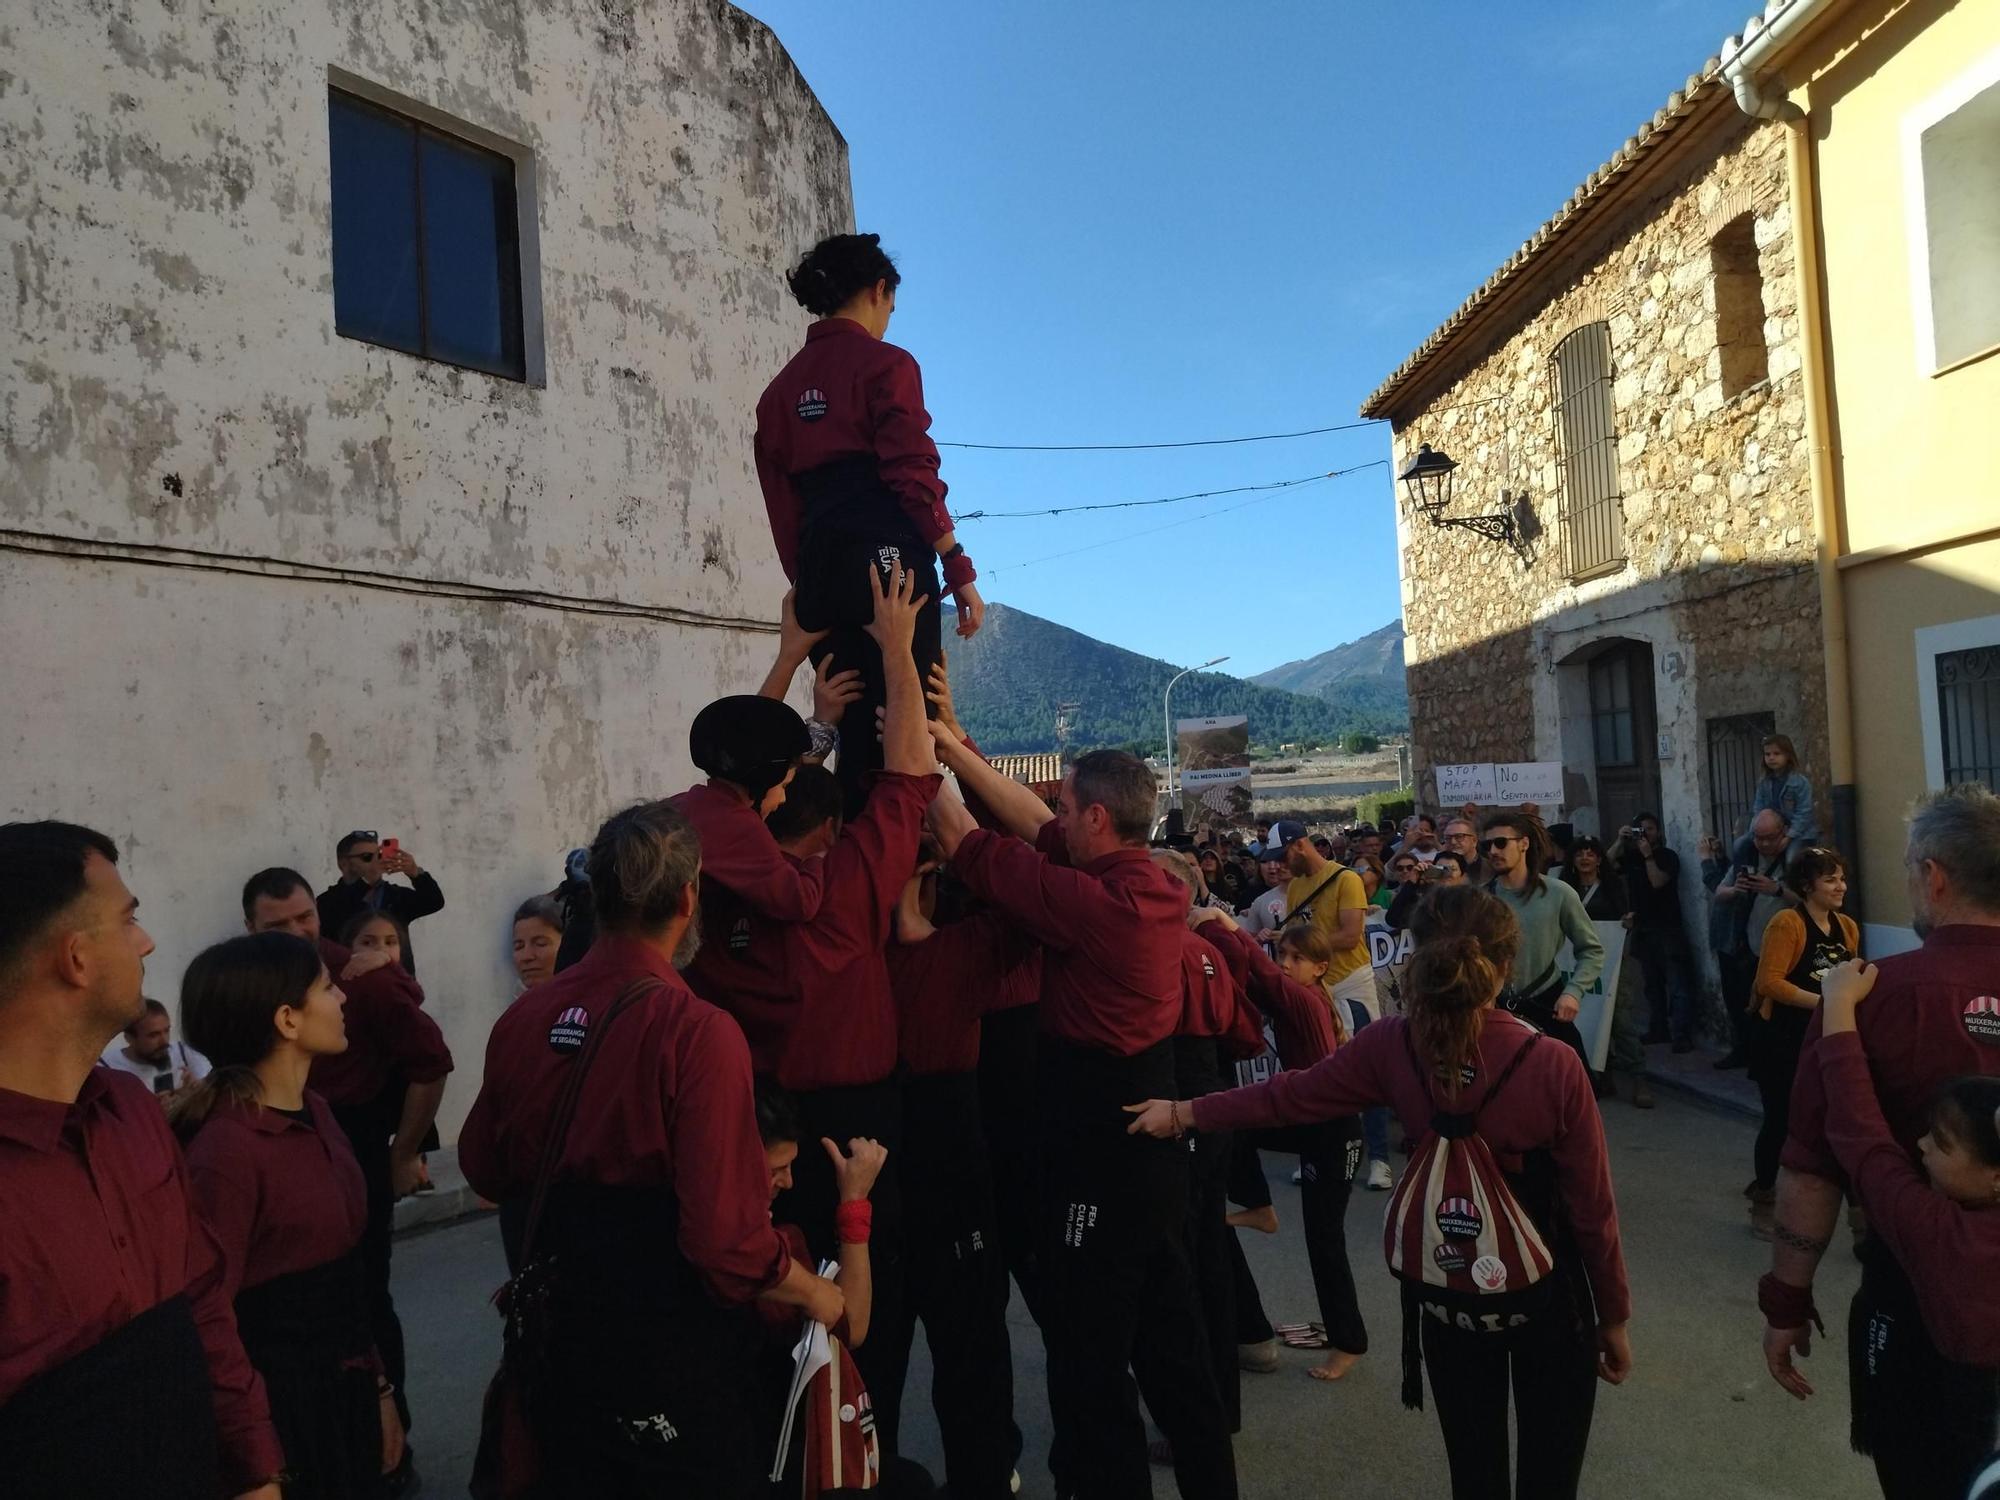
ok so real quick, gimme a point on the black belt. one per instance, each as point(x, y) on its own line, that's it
point(131, 1415)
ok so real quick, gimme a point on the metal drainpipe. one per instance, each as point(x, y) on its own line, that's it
point(1828, 540)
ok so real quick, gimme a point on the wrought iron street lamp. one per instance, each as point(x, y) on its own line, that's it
point(1429, 477)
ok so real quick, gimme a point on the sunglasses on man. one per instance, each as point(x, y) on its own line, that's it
point(370, 835)
point(1500, 841)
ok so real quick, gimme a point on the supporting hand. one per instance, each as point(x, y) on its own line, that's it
point(896, 603)
point(833, 691)
point(1842, 988)
point(1567, 1007)
point(938, 690)
point(1614, 1354)
point(795, 642)
point(1162, 1119)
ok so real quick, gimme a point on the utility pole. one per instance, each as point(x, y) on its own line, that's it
point(1065, 720)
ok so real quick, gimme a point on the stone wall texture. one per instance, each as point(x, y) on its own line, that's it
point(260, 583)
point(1717, 520)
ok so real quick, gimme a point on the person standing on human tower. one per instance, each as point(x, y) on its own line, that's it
point(849, 473)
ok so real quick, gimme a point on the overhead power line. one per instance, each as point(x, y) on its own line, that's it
point(1241, 489)
point(1127, 536)
point(1262, 437)
point(1266, 437)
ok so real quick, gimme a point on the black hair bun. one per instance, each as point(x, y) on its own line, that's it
point(835, 270)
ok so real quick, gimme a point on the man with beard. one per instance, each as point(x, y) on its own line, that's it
point(655, 1233)
point(121, 1372)
point(1928, 1421)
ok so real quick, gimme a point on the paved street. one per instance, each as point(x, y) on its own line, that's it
point(1699, 1419)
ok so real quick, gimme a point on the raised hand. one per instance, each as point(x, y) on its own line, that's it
point(938, 690)
point(896, 604)
point(856, 1170)
point(833, 691)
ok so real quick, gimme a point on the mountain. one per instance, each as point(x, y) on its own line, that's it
point(1376, 657)
point(1008, 680)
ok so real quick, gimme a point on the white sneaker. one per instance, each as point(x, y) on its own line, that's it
point(1298, 1175)
point(1380, 1179)
point(1014, 1483)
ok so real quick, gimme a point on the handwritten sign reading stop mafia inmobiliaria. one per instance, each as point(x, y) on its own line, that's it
point(1502, 785)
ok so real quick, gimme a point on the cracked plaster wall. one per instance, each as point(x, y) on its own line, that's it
point(170, 378)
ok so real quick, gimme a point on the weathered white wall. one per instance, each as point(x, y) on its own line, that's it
point(261, 584)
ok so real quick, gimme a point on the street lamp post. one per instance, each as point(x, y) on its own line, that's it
point(1166, 708)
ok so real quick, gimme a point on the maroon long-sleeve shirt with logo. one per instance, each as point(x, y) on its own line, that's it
point(668, 1103)
point(960, 973)
point(100, 1227)
point(845, 395)
point(1111, 972)
point(1211, 1002)
point(389, 1035)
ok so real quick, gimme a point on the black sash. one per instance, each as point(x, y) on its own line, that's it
point(307, 1332)
point(131, 1415)
point(1899, 1386)
point(1197, 1066)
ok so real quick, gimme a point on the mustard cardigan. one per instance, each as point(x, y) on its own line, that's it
point(1784, 946)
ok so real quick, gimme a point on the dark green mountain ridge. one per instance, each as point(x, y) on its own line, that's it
point(1009, 679)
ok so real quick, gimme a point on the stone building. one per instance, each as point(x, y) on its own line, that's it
point(1625, 391)
point(375, 417)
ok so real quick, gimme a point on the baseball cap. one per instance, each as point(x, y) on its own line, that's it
point(1284, 833)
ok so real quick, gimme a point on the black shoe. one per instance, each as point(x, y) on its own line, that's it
point(1684, 1045)
point(1735, 1059)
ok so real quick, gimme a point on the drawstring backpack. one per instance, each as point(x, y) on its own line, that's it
point(1456, 1235)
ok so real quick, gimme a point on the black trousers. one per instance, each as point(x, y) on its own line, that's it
point(1329, 1156)
point(368, 1133)
point(1774, 1063)
point(1927, 1422)
point(834, 595)
point(1117, 1288)
point(957, 1284)
point(1007, 1043)
point(1208, 1241)
point(1739, 975)
point(874, 1110)
point(1551, 1365)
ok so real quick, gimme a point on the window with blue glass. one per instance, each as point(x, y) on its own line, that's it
point(426, 242)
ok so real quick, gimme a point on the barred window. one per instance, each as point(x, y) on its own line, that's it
point(1593, 521)
point(1968, 689)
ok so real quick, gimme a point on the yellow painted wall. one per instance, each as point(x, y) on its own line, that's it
point(1916, 451)
point(1887, 602)
point(1916, 457)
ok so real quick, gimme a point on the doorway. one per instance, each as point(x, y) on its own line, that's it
point(1624, 733)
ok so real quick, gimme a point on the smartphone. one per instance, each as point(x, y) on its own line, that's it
point(390, 849)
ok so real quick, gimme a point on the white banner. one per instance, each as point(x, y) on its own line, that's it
point(1458, 785)
point(1601, 999)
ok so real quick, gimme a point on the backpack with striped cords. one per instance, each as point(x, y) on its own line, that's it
point(1456, 1234)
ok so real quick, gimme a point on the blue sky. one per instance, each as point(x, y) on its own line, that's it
point(1126, 223)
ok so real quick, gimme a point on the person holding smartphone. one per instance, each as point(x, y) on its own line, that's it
point(149, 1053)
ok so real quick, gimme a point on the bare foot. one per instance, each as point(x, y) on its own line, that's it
point(1264, 1220)
point(1336, 1364)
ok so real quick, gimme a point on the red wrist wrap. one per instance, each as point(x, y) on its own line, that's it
point(852, 1221)
point(1786, 1306)
point(958, 571)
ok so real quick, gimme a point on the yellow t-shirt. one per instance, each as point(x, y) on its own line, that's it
point(1337, 892)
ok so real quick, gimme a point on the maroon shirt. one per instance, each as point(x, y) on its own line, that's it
point(1549, 1105)
point(1111, 973)
point(1211, 1003)
point(100, 1227)
point(278, 1195)
point(845, 395)
point(944, 984)
point(389, 1036)
point(1931, 1017)
point(744, 876)
point(1951, 1254)
point(668, 1104)
point(1300, 1016)
point(813, 997)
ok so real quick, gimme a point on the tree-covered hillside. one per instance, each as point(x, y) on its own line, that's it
point(1009, 679)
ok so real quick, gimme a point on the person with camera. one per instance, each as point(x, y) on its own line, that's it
point(1651, 873)
point(365, 863)
point(1550, 914)
point(149, 1053)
